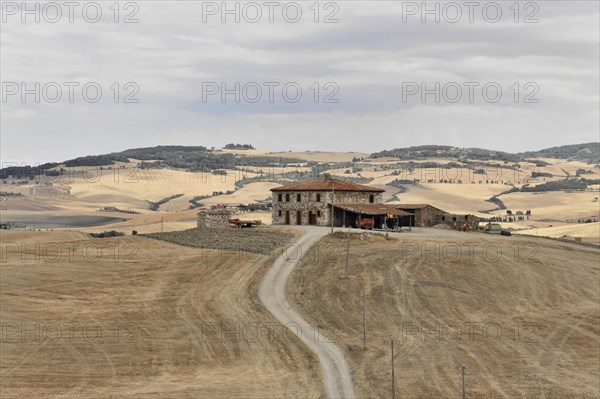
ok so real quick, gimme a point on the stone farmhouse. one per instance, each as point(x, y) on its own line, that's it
point(310, 202)
point(316, 202)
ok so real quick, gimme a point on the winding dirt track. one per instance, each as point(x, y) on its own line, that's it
point(338, 382)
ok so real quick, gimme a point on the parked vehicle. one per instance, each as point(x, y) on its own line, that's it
point(244, 223)
point(365, 223)
point(492, 228)
point(461, 226)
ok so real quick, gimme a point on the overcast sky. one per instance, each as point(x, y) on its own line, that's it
point(370, 68)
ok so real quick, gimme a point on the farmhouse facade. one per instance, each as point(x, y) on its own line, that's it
point(310, 202)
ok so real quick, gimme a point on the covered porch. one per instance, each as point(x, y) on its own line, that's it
point(371, 216)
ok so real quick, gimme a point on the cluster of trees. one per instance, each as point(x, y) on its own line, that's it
point(105, 234)
point(195, 202)
point(27, 172)
point(400, 183)
point(155, 205)
point(495, 199)
point(193, 158)
point(567, 184)
point(96, 160)
point(232, 146)
point(581, 171)
point(541, 174)
point(444, 151)
point(115, 209)
point(588, 152)
point(527, 212)
point(538, 162)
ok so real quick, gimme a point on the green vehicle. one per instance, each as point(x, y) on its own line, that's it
point(492, 228)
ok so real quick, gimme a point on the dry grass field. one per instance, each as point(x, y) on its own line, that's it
point(141, 318)
point(557, 205)
point(456, 198)
point(526, 324)
point(130, 188)
point(248, 194)
point(588, 232)
point(166, 311)
point(320, 156)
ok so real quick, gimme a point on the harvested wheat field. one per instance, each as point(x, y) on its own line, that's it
point(457, 198)
point(142, 318)
point(557, 205)
point(523, 315)
point(319, 156)
point(134, 187)
point(587, 232)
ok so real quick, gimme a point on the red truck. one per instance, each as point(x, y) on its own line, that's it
point(365, 224)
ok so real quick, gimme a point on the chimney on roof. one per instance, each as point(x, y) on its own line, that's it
point(326, 176)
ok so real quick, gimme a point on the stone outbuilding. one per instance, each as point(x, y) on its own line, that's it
point(213, 218)
point(310, 202)
point(466, 222)
point(425, 215)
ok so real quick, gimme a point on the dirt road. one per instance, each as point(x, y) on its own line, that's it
point(338, 382)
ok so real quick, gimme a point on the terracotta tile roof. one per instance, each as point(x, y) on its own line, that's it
point(328, 185)
point(373, 209)
point(412, 206)
point(417, 206)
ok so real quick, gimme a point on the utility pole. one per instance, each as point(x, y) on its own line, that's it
point(161, 224)
point(347, 253)
point(332, 207)
point(364, 321)
point(393, 377)
point(463, 371)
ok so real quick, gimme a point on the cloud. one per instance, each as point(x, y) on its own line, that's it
point(368, 56)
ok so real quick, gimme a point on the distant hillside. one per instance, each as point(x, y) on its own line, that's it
point(444, 151)
point(199, 158)
point(589, 152)
point(193, 158)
